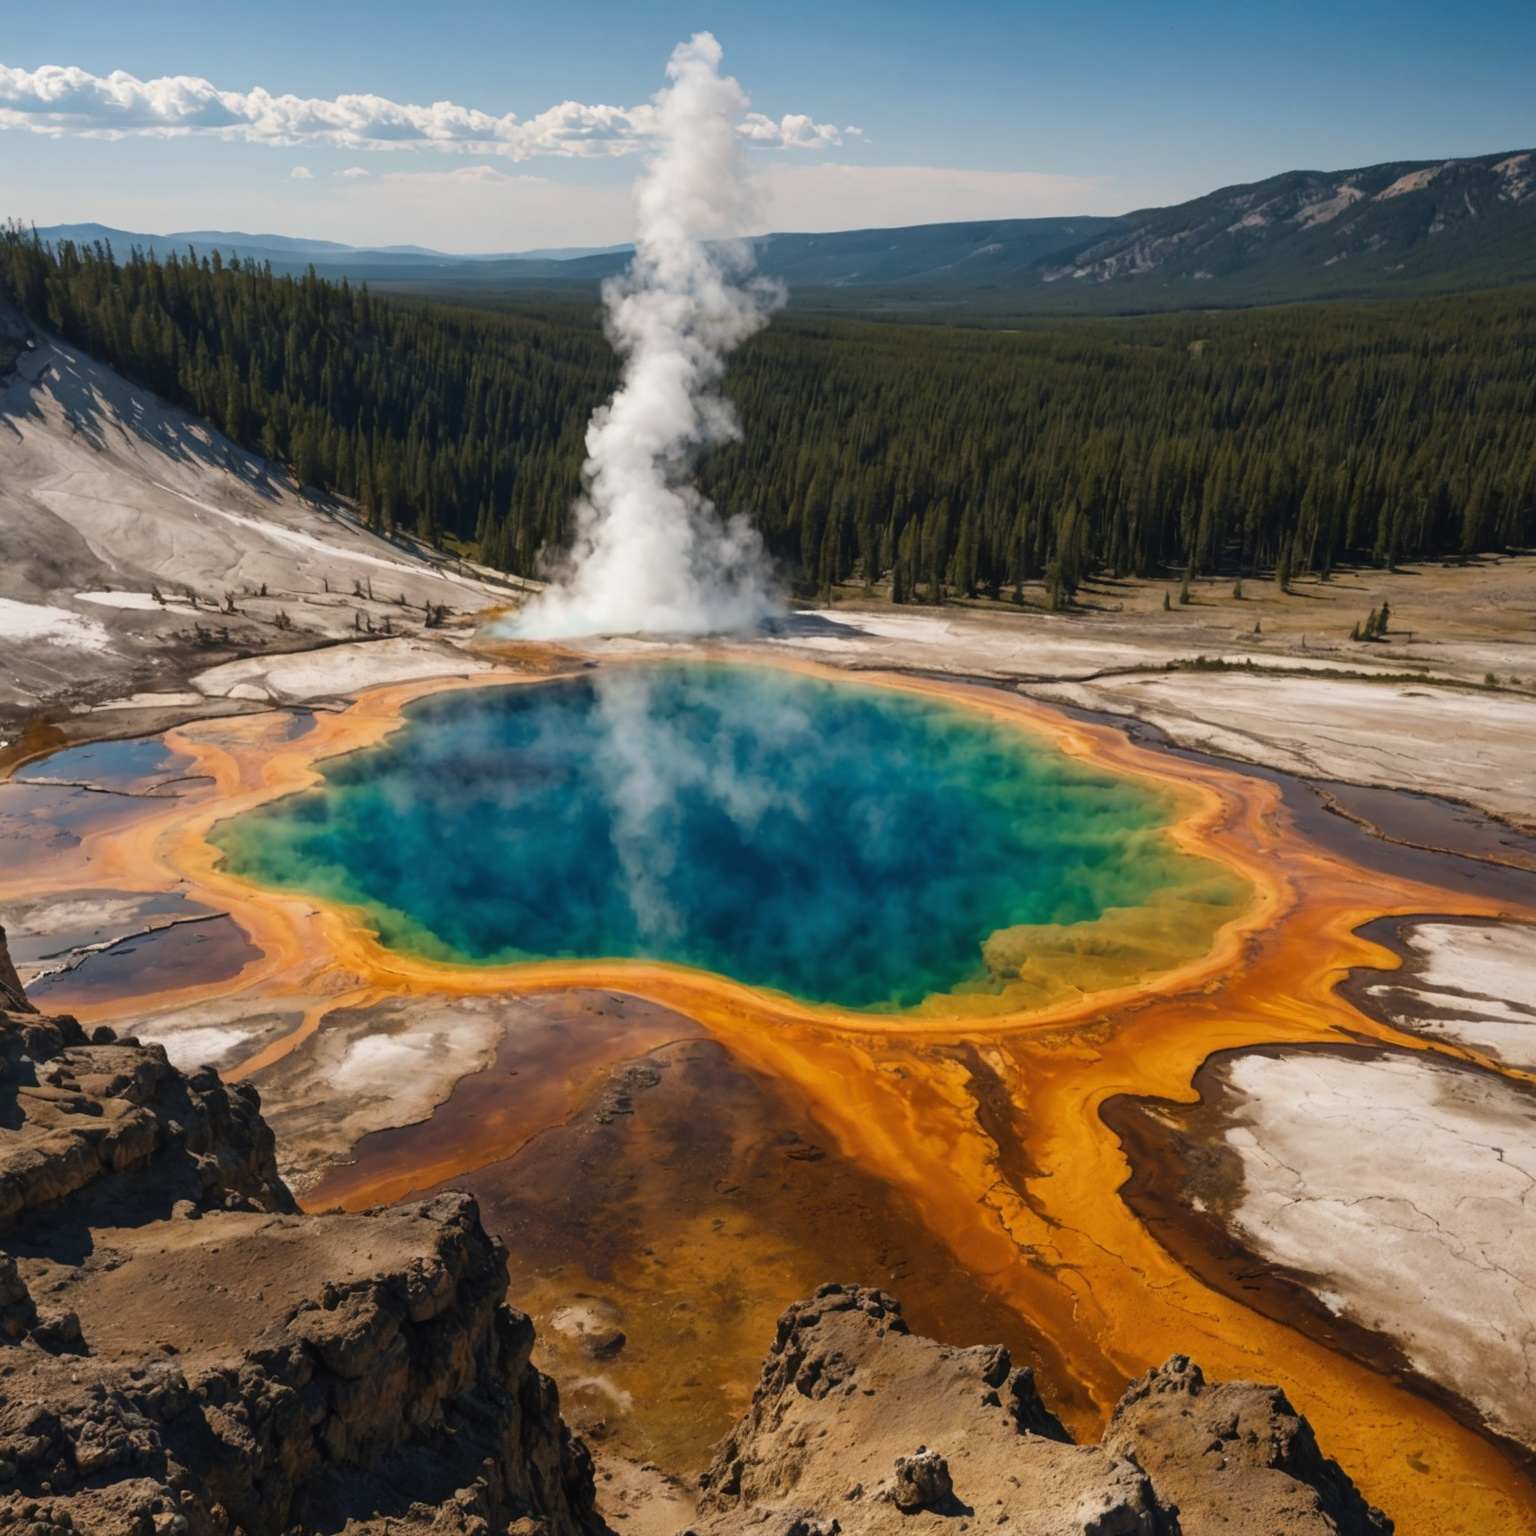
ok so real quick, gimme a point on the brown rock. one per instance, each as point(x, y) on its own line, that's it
point(253, 1369)
point(1212, 1449)
point(12, 997)
point(847, 1391)
point(922, 1482)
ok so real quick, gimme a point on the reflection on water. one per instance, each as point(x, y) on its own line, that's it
point(187, 952)
point(846, 844)
point(134, 766)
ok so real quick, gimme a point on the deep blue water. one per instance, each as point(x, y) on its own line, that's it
point(844, 843)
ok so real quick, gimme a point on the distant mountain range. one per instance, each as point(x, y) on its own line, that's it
point(1401, 228)
point(287, 253)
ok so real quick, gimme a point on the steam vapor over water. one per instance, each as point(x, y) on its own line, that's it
point(651, 554)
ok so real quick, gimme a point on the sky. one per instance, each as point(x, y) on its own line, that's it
point(500, 125)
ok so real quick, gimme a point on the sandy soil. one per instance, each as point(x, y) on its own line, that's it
point(41, 624)
point(373, 1066)
point(139, 602)
point(220, 1034)
point(337, 671)
point(1460, 621)
point(1473, 747)
point(51, 936)
point(1012, 644)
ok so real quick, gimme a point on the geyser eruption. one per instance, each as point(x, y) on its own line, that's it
point(651, 554)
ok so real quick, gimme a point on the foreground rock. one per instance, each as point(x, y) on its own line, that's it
point(184, 1353)
point(859, 1426)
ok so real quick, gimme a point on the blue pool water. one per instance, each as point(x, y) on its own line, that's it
point(844, 843)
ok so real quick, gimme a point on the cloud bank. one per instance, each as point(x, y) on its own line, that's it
point(57, 100)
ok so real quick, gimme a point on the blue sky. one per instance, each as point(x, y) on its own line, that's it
point(972, 108)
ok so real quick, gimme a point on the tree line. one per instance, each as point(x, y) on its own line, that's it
point(936, 459)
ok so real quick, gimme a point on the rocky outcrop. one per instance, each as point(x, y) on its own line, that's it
point(860, 1426)
point(1233, 1457)
point(181, 1351)
point(1314, 232)
point(112, 1124)
point(400, 1394)
point(12, 998)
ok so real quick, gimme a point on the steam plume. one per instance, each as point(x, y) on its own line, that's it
point(651, 555)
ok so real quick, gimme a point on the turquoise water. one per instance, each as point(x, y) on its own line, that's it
point(843, 843)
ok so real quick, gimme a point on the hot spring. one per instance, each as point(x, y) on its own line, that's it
point(845, 843)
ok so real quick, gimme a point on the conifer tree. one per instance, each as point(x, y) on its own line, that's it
point(1306, 438)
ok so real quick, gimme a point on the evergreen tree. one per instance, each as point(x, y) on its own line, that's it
point(956, 461)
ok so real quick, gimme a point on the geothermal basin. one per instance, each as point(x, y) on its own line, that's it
point(843, 844)
point(714, 977)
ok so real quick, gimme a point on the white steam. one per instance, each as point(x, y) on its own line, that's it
point(653, 766)
point(651, 554)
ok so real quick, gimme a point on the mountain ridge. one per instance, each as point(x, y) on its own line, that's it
point(1390, 217)
point(1397, 227)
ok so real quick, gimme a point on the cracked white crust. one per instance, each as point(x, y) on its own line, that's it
point(1467, 982)
point(1406, 1188)
point(1468, 747)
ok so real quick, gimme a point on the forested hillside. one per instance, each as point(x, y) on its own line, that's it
point(940, 459)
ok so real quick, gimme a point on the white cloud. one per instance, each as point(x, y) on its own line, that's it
point(301, 173)
point(795, 131)
point(58, 100)
point(352, 172)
